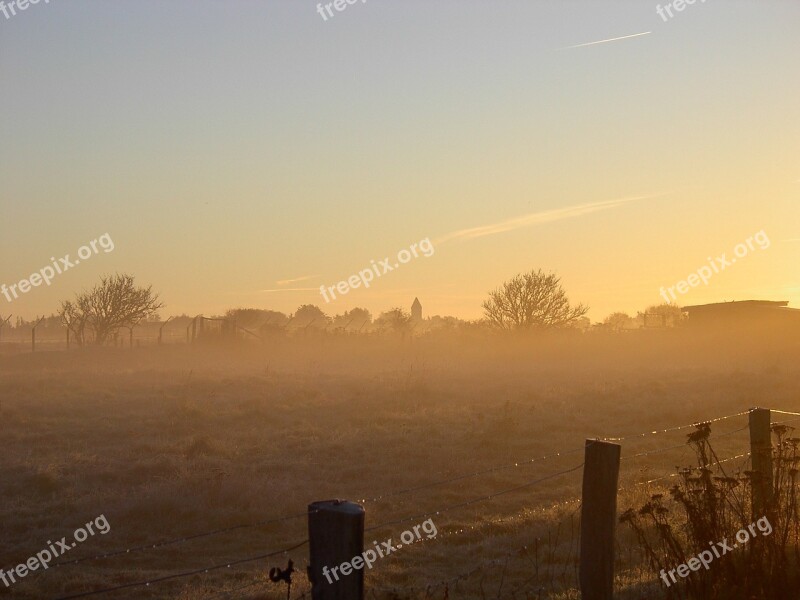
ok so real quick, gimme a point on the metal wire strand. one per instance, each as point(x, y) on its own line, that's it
point(179, 540)
point(475, 500)
point(147, 583)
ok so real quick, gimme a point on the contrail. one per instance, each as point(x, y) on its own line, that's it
point(547, 216)
point(290, 290)
point(288, 281)
point(624, 37)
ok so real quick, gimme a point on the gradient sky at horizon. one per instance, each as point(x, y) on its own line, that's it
point(231, 148)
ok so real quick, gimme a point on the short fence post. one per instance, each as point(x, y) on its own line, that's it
point(761, 456)
point(599, 519)
point(335, 537)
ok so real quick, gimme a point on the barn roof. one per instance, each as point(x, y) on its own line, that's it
point(741, 304)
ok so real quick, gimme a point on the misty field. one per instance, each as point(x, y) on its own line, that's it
point(172, 442)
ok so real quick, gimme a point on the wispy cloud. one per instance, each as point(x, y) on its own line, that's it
point(547, 216)
point(616, 39)
point(288, 281)
point(290, 290)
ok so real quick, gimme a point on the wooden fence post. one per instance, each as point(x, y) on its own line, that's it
point(761, 456)
point(161, 329)
point(599, 519)
point(3, 323)
point(33, 334)
point(335, 537)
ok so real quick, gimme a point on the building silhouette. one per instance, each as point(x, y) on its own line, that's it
point(416, 310)
point(755, 313)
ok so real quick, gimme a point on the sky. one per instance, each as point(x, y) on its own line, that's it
point(245, 153)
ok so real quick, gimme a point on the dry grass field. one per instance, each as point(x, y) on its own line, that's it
point(174, 441)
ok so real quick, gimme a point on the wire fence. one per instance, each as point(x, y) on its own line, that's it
point(547, 572)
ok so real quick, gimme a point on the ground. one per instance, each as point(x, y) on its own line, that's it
point(170, 442)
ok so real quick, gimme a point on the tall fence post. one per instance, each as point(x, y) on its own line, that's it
point(3, 323)
point(335, 538)
point(599, 519)
point(161, 329)
point(761, 456)
point(33, 334)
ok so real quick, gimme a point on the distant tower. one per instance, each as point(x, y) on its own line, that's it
point(416, 310)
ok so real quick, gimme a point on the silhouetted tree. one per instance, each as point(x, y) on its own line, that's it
point(395, 320)
point(618, 321)
point(670, 314)
point(448, 323)
point(74, 320)
point(353, 319)
point(114, 303)
point(531, 300)
point(257, 318)
point(309, 314)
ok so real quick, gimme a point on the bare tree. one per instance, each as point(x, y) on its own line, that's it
point(74, 320)
point(114, 303)
point(531, 300)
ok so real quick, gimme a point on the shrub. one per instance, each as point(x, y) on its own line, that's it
point(709, 506)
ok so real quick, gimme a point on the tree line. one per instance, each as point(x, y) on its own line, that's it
point(531, 301)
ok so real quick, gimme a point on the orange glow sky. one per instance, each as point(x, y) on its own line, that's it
point(242, 154)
